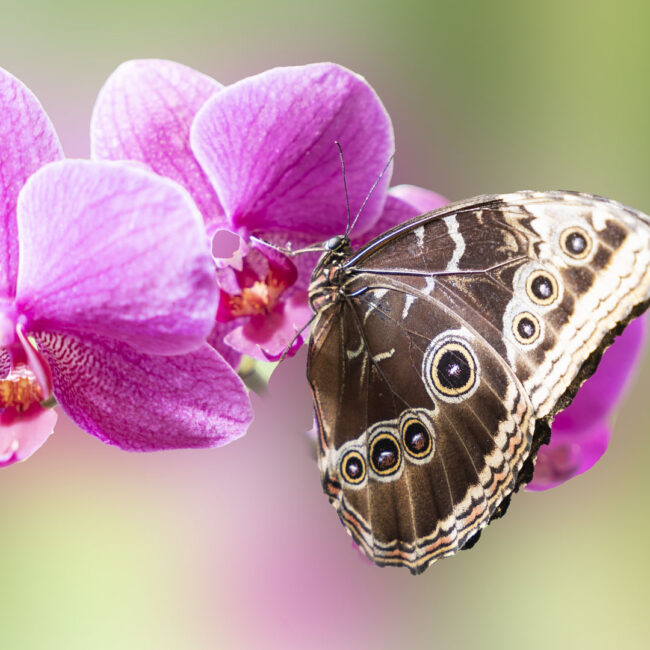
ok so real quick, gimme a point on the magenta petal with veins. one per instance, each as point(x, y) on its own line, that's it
point(266, 144)
point(107, 296)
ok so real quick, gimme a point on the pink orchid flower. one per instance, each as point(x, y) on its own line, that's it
point(580, 434)
point(107, 294)
point(259, 159)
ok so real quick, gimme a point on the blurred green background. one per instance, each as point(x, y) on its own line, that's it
point(237, 547)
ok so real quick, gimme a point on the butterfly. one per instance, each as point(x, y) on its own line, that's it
point(441, 351)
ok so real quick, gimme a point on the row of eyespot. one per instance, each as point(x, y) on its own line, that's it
point(386, 452)
point(542, 287)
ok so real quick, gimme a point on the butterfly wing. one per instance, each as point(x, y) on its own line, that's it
point(444, 350)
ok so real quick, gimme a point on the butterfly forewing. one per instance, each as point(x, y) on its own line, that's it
point(445, 344)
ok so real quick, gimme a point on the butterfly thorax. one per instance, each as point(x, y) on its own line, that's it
point(330, 273)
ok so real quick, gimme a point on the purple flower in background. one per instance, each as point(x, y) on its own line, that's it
point(107, 295)
point(259, 158)
point(581, 433)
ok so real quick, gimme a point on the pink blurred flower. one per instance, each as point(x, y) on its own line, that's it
point(107, 294)
point(581, 433)
point(259, 158)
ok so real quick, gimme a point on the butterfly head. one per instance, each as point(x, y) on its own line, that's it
point(339, 243)
point(329, 272)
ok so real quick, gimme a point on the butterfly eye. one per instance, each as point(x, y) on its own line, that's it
point(416, 438)
point(353, 467)
point(525, 327)
point(385, 454)
point(576, 243)
point(452, 369)
point(542, 288)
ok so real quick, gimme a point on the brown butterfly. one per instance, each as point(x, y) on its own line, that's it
point(441, 351)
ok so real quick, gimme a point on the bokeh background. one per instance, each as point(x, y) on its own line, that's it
point(237, 547)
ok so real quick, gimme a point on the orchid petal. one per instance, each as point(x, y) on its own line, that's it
point(402, 203)
point(600, 393)
point(27, 141)
point(21, 434)
point(144, 403)
point(395, 212)
point(217, 341)
point(421, 199)
point(144, 112)
point(303, 262)
point(267, 143)
point(568, 455)
point(109, 249)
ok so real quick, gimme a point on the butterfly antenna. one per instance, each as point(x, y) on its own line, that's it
point(372, 189)
point(345, 186)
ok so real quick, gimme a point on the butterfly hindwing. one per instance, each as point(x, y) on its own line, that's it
point(441, 347)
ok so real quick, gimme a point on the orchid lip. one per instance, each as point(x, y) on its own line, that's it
point(257, 300)
point(259, 292)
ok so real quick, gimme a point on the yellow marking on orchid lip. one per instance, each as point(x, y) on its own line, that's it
point(19, 390)
point(260, 298)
